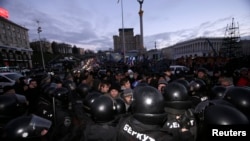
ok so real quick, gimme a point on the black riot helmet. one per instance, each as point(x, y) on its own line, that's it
point(148, 105)
point(197, 85)
point(89, 99)
point(217, 92)
point(26, 127)
point(61, 96)
point(240, 98)
point(224, 115)
point(49, 93)
point(176, 96)
point(22, 103)
point(183, 82)
point(12, 106)
point(120, 106)
point(102, 109)
point(82, 90)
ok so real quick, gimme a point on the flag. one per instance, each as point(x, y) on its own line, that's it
point(118, 1)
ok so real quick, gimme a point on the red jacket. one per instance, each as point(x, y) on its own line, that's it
point(243, 81)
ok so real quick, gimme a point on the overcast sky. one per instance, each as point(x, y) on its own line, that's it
point(91, 24)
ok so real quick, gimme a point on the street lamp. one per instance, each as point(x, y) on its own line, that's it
point(123, 36)
point(141, 23)
point(39, 29)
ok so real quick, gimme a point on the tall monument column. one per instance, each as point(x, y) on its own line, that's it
point(141, 23)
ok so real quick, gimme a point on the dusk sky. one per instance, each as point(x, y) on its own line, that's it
point(91, 24)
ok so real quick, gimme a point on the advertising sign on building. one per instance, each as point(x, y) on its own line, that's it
point(4, 13)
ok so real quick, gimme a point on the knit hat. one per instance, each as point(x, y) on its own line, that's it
point(115, 86)
point(127, 92)
point(162, 81)
point(204, 70)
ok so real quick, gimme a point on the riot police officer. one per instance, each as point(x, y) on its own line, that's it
point(16, 123)
point(178, 106)
point(239, 97)
point(12, 106)
point(198, 91)
point(102, 125)
point(221, 117)
point(62, 121)
point(146, 119)
point(26, 128)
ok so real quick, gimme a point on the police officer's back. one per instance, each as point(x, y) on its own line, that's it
point(145, 122)
point(178, 107)
point(102, 126)
point(62, 121)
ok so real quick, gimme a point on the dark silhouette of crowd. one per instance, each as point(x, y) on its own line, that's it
point(127, 103)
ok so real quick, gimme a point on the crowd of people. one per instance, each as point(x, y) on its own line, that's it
point(125, 104)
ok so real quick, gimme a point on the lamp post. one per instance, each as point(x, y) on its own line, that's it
point(123, 36)
point(141, 23)
point(39, 29)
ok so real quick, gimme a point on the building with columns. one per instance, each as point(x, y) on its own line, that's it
point(202, 47)
point(202, 50)
point(14, 44)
